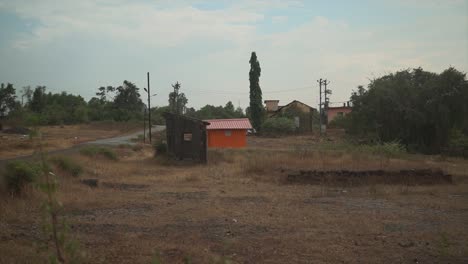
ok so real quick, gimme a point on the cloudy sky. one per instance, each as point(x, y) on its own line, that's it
point(77, 46)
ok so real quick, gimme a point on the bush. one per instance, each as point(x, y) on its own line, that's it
point(68, 165)
point(339, 122)
point(160, 148)
point(137, 147)
point(389, 149)
point(18, 174)
point(93, 151)
point(108, 153)
point(278, 126)
point(458, 144)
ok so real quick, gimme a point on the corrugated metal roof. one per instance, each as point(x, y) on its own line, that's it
point(234, 123)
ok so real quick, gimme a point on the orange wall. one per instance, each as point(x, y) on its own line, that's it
point(218, 139)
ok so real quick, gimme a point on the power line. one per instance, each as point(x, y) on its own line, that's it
point(236, 92)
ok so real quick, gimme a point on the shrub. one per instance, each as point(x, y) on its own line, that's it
point(160, 148)
point(339, 122)
point(68, 165)
point(92, 151)
point(18, 174)
point(458, 144)
point(137, 147)
point(278, 126)
point(108, 153)
point(388, 149)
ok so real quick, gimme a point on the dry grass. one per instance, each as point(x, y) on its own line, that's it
point(237, 208)
point(61, 137)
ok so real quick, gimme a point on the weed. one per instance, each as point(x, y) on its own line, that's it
point(137, 147)
point(443, 245)
point(68, 165)
point(90, 151)
point(93, 151)
point(216, 156)
point(160, 148)
point(108, 153)
point(389, 149)
point(18, 174)
point(65, 249)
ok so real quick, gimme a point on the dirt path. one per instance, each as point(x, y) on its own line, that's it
point(113, 141)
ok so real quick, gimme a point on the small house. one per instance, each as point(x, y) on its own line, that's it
point(186, 137)
point(228, 133)
point(333, 112)
point(301, 113)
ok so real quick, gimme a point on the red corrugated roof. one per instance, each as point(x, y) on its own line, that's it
point(234, 123)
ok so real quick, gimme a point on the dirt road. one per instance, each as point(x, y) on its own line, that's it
point(113, 141)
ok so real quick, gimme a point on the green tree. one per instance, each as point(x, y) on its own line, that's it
point(27, 92)
point(127, 102)
point(417, 108)
point(7, 99)
point(256, 106)
point(38, 101)
point(177, 101)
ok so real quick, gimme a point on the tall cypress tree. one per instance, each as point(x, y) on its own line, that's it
point(256, 106)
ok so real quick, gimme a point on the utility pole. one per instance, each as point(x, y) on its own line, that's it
point(144, 127)
point(320, 105)
point(327, 100)
point(149, 108)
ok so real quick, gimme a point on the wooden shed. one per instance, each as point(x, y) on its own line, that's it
point(228, 133)
point(186, 137)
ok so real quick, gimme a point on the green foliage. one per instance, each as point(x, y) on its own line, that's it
point(417, 108)
point(156, 114)
point(127, 103)
point(216, 112)
point(18, 174)
point(278, 126)
point(68, 165)
point(388, 149)
point(256, 104)
point(7, 99)
point(458, 144)
point(39, 100)
point(93, 151)
point(177, 101)
point(160, 148)
point(339, 122)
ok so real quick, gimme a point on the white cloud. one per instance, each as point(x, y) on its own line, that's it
point(152, 24)
point(320, 48)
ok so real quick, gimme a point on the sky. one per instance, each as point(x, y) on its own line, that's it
point(78, 46)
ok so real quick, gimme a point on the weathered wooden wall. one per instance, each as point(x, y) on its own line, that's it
point(178, 129)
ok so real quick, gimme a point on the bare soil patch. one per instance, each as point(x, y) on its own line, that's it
point(353, 178)
point(235, 210)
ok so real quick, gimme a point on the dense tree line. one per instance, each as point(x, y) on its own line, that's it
point(37, 106)
point(123, 103)
point(216, 112)
point(425, 111)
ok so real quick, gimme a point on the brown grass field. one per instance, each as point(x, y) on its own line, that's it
point(240, 208)
point(62, 137)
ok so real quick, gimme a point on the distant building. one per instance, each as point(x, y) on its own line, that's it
point(228, 133)
point(300, 112)
point(333, 112)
